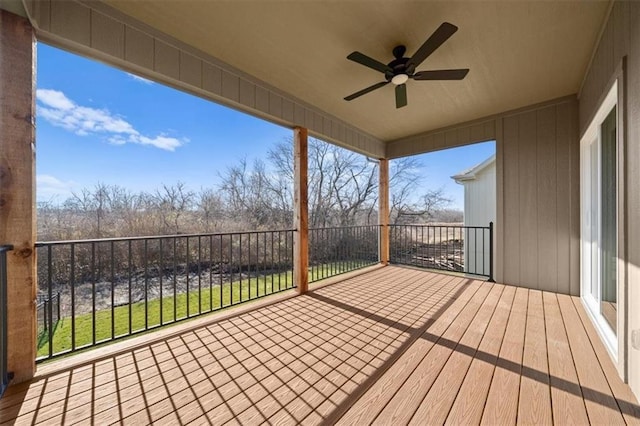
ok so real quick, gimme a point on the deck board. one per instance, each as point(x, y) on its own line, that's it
point(436, 405)
point(535, 398)
point(566, 396)
point(408, 398)
point(390, 346)
point(472, 396)
point(502, 402)
point(622, 393)
point(600, 403)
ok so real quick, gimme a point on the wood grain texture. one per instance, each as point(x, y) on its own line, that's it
point(600, 403)
point(383, 209)
point(301, 210)
point(566, 395)
point(502, 402)
point(17, 188)
point(472, 396)
point(342, 355)
point(367, 408)
point(436, 405)
point(407, 400)
point(623, 395)
point(535, 399)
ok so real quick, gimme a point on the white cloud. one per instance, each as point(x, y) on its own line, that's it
point(56, 108)
point(48, 187)
point(54, 99)
point(140, 79)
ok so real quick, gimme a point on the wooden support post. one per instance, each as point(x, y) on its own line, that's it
point(383, 211)
point(17, 189)
point(300, 211)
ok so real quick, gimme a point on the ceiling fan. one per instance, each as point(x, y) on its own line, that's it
point(402, 69)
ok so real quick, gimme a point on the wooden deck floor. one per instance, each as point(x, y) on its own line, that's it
point(392, 346)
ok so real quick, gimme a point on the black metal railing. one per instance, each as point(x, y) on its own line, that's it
point(5, 375)
point(108, 289)
point(334, 251)
point(43, 306)
point(466, 249)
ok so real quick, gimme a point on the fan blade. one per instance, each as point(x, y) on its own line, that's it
point(401, 95)
point(365, 91)
point(441, 75)
point(439, 36)
point(363, 59)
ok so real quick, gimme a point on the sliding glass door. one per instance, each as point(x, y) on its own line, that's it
point(599, 220)
point(608, 220)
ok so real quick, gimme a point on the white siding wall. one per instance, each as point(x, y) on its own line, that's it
point(479, 210)
point(480, 198)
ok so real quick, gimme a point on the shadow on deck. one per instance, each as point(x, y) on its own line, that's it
point(391, 346)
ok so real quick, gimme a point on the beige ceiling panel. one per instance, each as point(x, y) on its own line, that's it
point(519, 52)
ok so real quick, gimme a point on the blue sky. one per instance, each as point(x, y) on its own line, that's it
point(96, 124)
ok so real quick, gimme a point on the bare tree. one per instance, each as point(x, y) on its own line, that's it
point(343, 190)
point(172, 202)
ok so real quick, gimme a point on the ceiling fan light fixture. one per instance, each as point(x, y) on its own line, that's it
point(399, 79)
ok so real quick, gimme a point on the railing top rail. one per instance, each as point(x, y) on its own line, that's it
point(153, 237)
point(343, 227)
point(5, 247)
point(441, 226)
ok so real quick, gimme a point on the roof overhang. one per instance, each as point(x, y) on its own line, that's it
point(520, 53)
point(472, 173)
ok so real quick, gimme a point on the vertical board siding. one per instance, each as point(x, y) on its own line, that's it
point(510, 199)
point(107, 34)
point(547, 213)
point(248, 94)
point(537, 190)
point(540, 221)
point(166, 60)
point(527, 158)
point(613, 45)
point(465, 134)
point(138, 48)
point(98, 31)
point(190, 69)
point(563, 197)
point(71, 20)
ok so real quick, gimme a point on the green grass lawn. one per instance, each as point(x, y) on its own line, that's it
point(108, 325)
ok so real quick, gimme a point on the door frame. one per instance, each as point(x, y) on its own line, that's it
point(613, 95)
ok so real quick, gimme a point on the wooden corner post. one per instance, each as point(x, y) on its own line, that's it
point(17, 189)
point(383, 211)
point(300, 211)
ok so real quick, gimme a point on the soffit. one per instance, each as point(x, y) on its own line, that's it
point(520, 53)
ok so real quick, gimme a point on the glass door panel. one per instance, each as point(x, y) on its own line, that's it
point(608, 220)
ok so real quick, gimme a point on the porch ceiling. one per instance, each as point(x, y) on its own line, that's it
point(519, 53)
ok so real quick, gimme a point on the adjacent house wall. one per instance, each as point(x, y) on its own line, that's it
point(621, 38)
point(479, 210)
point(480, 197)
